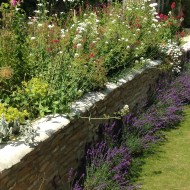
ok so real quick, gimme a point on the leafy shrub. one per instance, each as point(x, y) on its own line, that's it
point(11, 114)
point(31, 96)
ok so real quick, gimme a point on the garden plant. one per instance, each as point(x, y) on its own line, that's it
point(49, 60)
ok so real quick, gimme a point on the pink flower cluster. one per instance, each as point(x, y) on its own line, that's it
point(14, 3)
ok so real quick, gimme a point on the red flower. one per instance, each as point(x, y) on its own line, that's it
point(182, 34)
point(165, 17)
point(161, 16)
point(173, 5)
point(137, 20)
point(91, 55)
point(137, 25)
point(55, 40)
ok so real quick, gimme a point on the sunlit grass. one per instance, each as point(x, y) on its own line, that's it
point(169, 167)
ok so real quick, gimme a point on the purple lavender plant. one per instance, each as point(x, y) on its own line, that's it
point(109, 163)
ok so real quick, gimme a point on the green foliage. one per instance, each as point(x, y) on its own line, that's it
point(31, 96)
point(134, 143)
point(11, 114)
point(47, 61)
point(99, 175)
point(13, 123)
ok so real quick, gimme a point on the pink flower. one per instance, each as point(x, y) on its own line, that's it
point(14, 3)
point(91, 55)
point(173, 5)
point(55, 40)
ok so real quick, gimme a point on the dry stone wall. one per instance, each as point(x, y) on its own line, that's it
point(61, 142)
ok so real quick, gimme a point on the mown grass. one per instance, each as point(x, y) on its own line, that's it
point(168, 168)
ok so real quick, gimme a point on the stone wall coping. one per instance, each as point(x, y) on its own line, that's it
point(11, 153)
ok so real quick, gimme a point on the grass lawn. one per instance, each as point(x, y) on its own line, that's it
point(169, 167)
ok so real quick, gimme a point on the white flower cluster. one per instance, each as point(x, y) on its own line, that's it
point(174, 53)
point(124, 110)
point(88, 27)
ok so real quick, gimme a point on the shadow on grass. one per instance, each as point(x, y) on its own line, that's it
point(140, 159)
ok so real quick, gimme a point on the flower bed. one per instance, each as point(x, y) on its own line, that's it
point(48, 61)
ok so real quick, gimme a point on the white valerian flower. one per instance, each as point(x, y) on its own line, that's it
point(136, 61)
point(153, 25)
point(40, 4)
point(39, 25)
point(155, 20)
point(50, 26)
point(79, 45)
point(33, 38)
point(76, 55)
point(124, 110)
point(106, 42)
point(72, 26)
point(37, 11)
point(30, 23)
point(153, 5)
